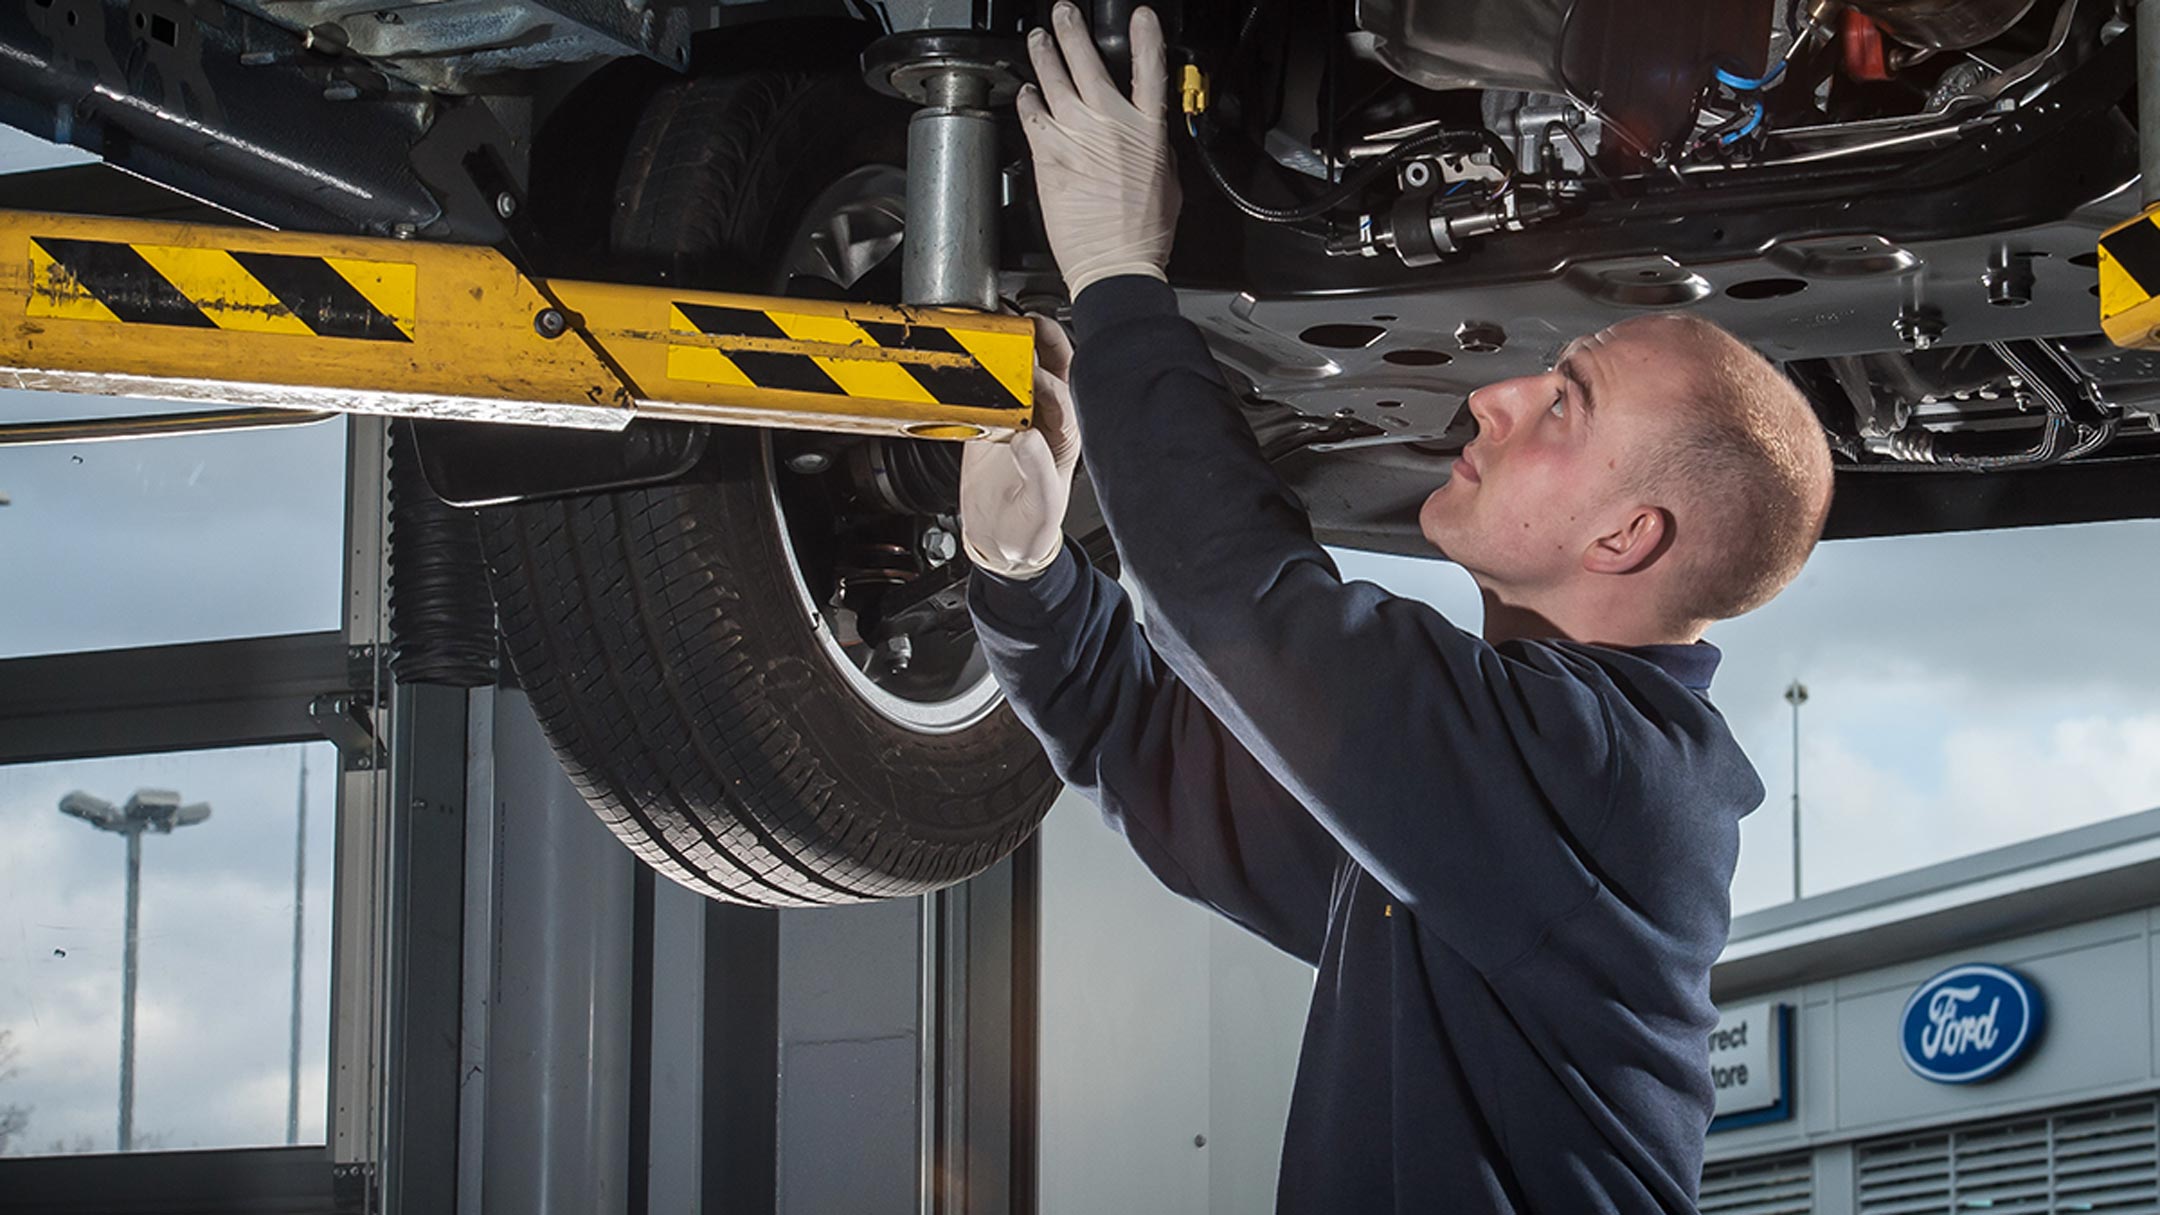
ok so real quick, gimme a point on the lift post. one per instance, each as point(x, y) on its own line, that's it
point(2130, 252)
point(251, 319)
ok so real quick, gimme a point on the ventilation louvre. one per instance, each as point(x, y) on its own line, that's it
point(1769, 1185)
point(2102, 1158)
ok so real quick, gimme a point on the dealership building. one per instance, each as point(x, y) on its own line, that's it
point(1978, 1035)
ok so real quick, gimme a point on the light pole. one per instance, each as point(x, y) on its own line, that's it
point(1796, 695)
point(299, 894)
point(156, 810)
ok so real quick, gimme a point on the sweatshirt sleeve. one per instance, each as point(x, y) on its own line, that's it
point(1470, 781)
point(1121, 729)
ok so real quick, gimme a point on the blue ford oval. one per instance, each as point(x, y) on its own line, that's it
point(1969, 1023)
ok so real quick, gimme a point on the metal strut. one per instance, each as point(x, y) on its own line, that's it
point(243, 318)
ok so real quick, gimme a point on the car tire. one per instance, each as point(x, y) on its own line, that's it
point(675, 657)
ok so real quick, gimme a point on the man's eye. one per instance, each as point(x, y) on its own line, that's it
point(1559, 403)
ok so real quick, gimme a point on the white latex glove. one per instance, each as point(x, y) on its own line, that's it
point(1102, 164)
point(1013, 494)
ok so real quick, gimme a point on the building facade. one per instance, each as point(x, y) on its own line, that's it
point(1978, 1035)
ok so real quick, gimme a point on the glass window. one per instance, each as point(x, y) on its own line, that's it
point(1963, 692)
point(156, 541)
point(21, 152)
point(214, 951)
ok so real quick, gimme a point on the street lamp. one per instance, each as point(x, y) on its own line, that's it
point(156, 810)
point(1796, 695)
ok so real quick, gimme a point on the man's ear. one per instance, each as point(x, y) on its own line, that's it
point(1644, 533)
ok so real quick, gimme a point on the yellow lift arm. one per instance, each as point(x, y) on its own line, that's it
point(236, 317)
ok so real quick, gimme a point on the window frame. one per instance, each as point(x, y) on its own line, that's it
point(254, 691)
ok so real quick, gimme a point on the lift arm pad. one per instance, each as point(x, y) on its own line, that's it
point(2130, 280)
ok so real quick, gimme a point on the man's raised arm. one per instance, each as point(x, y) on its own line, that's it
point(1471, 784)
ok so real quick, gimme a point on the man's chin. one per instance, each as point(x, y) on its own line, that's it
point(1432, 524)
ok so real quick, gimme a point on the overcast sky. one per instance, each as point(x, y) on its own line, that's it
point(1965, 691)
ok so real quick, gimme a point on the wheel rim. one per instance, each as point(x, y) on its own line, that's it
point(850, 234)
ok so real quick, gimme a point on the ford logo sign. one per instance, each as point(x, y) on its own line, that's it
point(1969, 1023)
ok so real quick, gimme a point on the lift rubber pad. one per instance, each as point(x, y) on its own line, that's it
point(799, 352)
point(140, 284)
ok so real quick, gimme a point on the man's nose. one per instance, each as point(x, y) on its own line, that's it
point(1487, 410)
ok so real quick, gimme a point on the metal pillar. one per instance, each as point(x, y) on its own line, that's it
point(559, 1035)
point(2148, 94)
point(127, 992)
point(950, 255)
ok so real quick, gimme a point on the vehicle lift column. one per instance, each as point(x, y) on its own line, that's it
point(2130, 252)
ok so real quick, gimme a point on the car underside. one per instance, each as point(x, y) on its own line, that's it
point(1387, 205)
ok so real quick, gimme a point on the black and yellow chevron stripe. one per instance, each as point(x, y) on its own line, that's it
point(911, 361)
point(131, 283)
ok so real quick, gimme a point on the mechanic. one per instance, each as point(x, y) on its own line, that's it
point(1508, 856)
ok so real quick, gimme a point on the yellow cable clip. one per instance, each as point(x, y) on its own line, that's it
point(1192, 90)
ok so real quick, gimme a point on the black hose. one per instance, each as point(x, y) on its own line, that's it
point(442, 619)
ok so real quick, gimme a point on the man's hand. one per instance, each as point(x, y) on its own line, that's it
point(1102, 163)
point(1013, 494)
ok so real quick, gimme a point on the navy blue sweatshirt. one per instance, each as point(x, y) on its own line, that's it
point(1509, 862)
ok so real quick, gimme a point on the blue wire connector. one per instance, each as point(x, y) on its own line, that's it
point(1754, 120)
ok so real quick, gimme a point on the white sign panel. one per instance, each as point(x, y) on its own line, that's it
point(1748, 1062)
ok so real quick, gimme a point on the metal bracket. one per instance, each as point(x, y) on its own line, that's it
point(343, 719)
point(352, 1187)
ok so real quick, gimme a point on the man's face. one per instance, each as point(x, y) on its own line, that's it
point(1549, 470)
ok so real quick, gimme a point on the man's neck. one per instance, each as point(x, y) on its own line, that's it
point(1509, 620)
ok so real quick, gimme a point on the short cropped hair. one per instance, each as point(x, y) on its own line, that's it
point(1745, 468)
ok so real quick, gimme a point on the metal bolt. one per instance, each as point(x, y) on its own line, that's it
point(505, 204)
point(939, 545)
point(899, 651)
point(1918, 329)
point(1199, 1141)
point(1417, 175)
point(403, 231)
point(809, 463)
point(550, 323)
